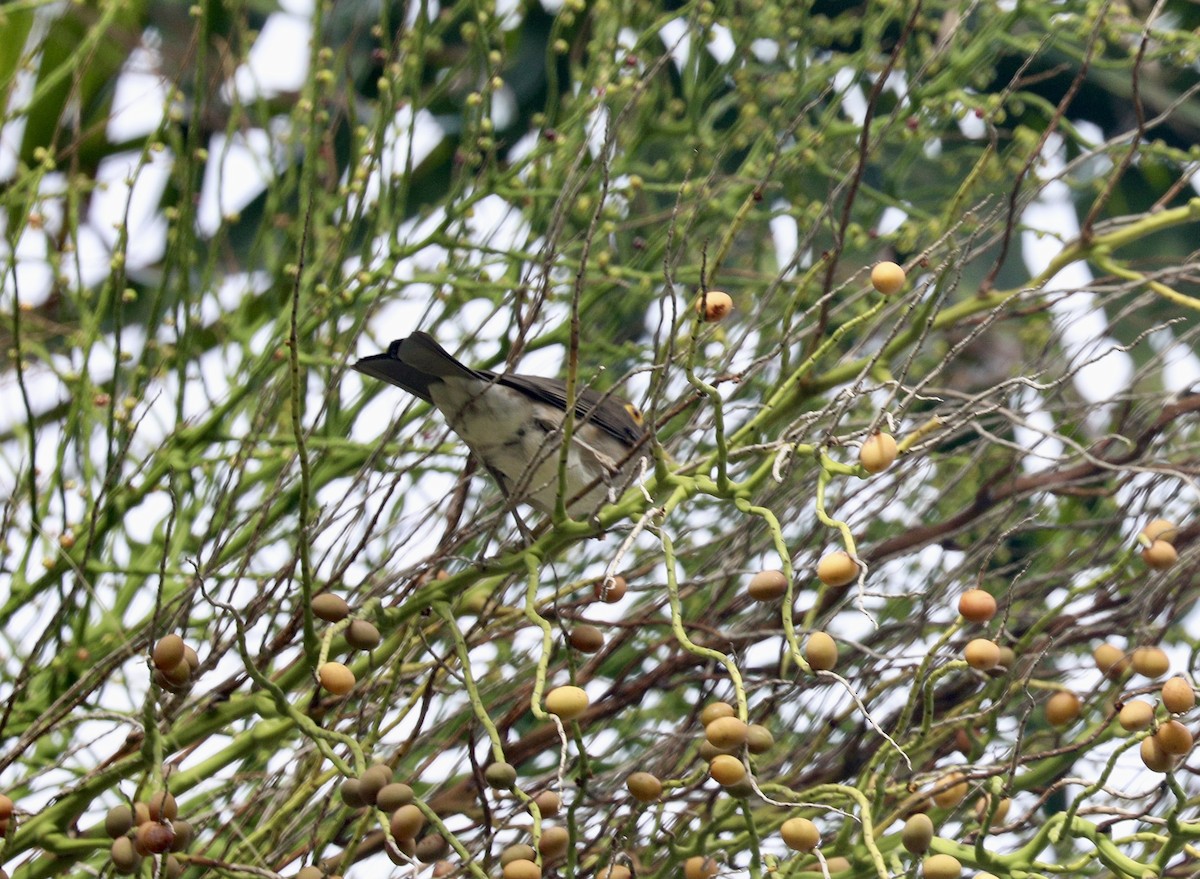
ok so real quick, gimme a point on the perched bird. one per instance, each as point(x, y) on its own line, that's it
point(513, 424)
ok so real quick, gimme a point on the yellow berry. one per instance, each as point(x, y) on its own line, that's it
point(800, 834)
point(726, 733)
point(977, 606)
point(982, 654)
point(1160, 555)
point(1178, 695)
point(767, 586)
point(336, 678)
point(1062, 708)
point(1135, 715)
point(714, 305)
point(726, 769)
point(567, 702)
point(887, 278)
point(878, 453)
point(837, 569)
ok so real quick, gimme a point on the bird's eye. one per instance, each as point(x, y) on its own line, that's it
point(634, 412)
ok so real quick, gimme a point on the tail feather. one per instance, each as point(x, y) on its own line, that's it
point(414, 363)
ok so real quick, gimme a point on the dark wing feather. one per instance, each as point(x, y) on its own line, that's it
point(607, 411)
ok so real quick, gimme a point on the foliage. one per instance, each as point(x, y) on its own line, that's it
point(186, 450)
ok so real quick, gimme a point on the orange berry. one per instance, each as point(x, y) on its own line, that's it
point(336, 678)
point(800, 834)
point(887, 278)
point(767, 586)
point(952, 790)
point(878, 452)
point(1160, 555)
point(977, 606)
point(982, 654)
point(726, 769)
point(837, 569)
point(1153, 755)
point(1178, 695)
point(821, 651)
point(1150, 661)
point(1110, 660)
point(1175, 738)
point(1161, 529)
point(714, 305)
point(1135, 715)
point(1062, 708)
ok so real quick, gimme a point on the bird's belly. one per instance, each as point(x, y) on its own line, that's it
point(516, 438)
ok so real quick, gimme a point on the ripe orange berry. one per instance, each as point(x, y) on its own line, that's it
point(1175, 738)
point(699, 867)
point(726, 769)
point(1150, 661)
point(336, 678)
point(767, 586)
point(1161, 529)
point(878, 453)
point(1135, 715)
point(567, 702)
point(837, 569)
point(800, 834)
point(887, 278)
point(548, 803)
point(952, 790)
point(941, 867)
point(714, 305)
point(977, 606)
point(1110, 660)
point(522, 869)
point(1153, 755)
point(821, 651)
point(1062, 708)
point(1178, 695)
point(982, 654)
point(1160, 555)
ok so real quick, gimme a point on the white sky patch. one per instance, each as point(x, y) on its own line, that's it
point(278, 60)
point(596, 129)
point(677, 41)
point(407, 142)
point(507, 13)
point(140, 97)
point(854, 102)
point(721, 44)
point(1180, 366)
point(890, 220)
point(1034, 434)
point(129, 195)
point(1049, 222)
point(785, 235)
point(238, 169)
point(497, 225)
point(970, 123)
point(764, 50)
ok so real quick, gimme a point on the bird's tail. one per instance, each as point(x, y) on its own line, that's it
point(414, 363)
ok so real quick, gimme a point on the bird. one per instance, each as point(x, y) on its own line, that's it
point(514, 424)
